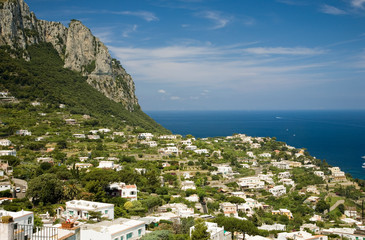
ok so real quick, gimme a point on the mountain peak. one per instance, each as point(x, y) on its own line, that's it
point(76, 45)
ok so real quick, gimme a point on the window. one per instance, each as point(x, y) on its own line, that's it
point(115, 238)
point(139, 232)
point(30, 220)
point(71, 212)
point(121, 238)
point(106, 211)
point(129, 235)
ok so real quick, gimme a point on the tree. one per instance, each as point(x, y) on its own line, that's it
point(200, 231)
point(46, 188)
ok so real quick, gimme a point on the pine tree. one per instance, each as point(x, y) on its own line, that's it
point(200, 231)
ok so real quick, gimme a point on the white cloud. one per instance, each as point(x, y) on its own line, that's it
point(174, 98)
point(129, 30)
point(284, 51)
point(217, 17)
point(358, 3)
point(161, 91)
point(332, 10)
point(229, 67)
point(148, 16)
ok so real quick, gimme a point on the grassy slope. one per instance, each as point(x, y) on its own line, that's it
point(44, 78)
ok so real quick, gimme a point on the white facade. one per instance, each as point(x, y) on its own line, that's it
point(109, 165)
point(79, 135)
point(284, 175)
point(191, 147)
point(185, 185)
point(21, 217)
point(147, 136)
point(265, 155)
point(5, 142)
point(216, 233)
point(5, 186)
point(119, 229)
point(80, 209)
point(201, 151)
point(225, 170)
point(251, 183)
point(23, 133)
point(278, 191)
point(125, 191)
point(8, 153)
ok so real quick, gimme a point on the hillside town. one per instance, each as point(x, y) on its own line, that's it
point(66, 176)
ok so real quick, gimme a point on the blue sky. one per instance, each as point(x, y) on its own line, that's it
point(231, 54)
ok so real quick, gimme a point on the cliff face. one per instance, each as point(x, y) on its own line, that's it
point(80, 50)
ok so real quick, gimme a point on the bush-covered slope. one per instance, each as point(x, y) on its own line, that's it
point(44, 79)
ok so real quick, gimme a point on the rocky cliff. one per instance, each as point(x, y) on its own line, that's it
point(80, 50)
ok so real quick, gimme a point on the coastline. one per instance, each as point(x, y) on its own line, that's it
point(335, 136)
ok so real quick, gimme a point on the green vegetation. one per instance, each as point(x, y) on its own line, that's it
point(43, 78)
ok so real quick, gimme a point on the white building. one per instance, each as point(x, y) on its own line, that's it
point(191, 147)
point(80, 209)
point(147, 136)
point(79, 135)
point(169, 150)
point(104, 130)
point(124, 191)
point(229, 209)
point(185, 185)
point(274, 227)
point(278, 191)
point(169, 137)
point(287, 181)
point(5, 142)
point(5, 186)
point(251, 183)
point(300, 235)
point(216, 233)
point(109, 165)
point(319, 174)
point(265, 155)
point(23, 132)
point(225, 169)
point(8, 153)
point(21, 217)
point(284, 175)
point(201, 151)
point(239, 194)
point(150, 143)
point(119, 229)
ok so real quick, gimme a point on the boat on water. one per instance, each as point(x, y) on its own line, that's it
point(363, 165)
point(363, 157)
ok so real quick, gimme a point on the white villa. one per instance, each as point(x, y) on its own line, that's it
point(80, 209)
point(147, 136)
point(124, 191)
point(185, 185)
point(5, 142)
point(251, 183)
point(277, 191)
point(119, 229)
point(216, 233)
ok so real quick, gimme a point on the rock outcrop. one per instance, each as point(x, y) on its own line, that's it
point(80, 50)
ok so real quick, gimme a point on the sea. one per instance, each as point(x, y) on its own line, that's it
point(336, 136)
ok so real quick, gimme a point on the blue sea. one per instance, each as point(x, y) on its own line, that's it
point(337, 136)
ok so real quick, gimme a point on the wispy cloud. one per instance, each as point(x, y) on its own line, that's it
point(209, 67)
point(332, 10)
point(218, 18)
point(284, 51)
point(174, 98)
point(292, 2)
point(358, 3)
point(129, 30)
point(148, 16)
point(161, 91)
